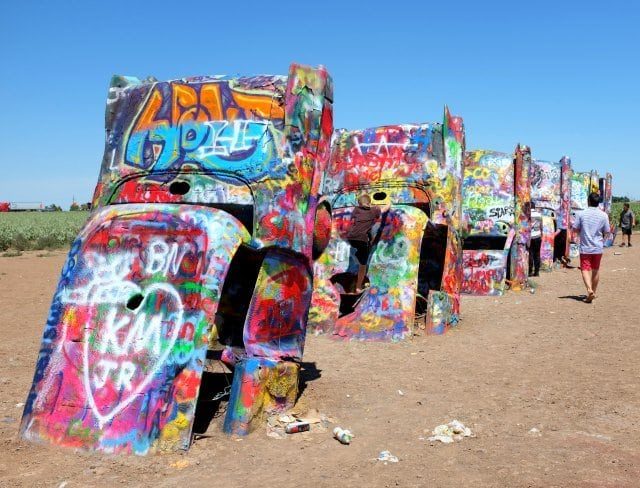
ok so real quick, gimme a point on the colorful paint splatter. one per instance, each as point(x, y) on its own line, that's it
point(205, 226)
point(488, 205)
point(580, 189)
point(485, 271)
point(606, 193)
point(415, 258)
point(546, 190)
point(125, 342)
point(519, 267)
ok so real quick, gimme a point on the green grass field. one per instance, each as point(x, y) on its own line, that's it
point(616, 208)
point(22, 231)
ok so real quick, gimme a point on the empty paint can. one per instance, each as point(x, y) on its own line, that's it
point(296, 427)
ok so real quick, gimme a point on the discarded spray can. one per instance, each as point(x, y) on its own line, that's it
point(343, 435)
point(295, 427)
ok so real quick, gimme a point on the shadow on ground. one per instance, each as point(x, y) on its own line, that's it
point(577, 298)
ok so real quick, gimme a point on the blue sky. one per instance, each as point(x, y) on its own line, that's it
point(562, 77)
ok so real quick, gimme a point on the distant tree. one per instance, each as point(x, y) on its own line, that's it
point(619, 199)
point(74, 207)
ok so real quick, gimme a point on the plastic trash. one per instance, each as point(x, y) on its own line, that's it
point(387, 457)
point(453, 431)
point(343, 435)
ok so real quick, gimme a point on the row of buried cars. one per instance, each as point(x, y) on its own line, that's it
point(218, 237)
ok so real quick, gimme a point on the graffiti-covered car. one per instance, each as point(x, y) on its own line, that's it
point(201, 240)
point(550, 191)
point(582, 183)
point(413, 254)
point(606, 199)
point(495, 206)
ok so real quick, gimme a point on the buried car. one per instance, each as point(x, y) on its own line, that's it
point(200, 245)
point(550, 193)
point(582, 183)
point(496, 210)
point(413, 264)
point(606, 200)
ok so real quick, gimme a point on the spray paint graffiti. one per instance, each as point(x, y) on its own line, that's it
point(545, 184)
point(153, 281)
point(606, 194)
point(488, 204)
point(546, 189)
point(580, 189)
point(548, 239)
point(564, 213)
point(488, 193)
point(250, 141)
point(485, 271)
point(519, 267)
point(260, 385)
point(415, 261)
point(122, 355)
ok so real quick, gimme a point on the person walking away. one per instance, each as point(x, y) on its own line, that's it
point(363, 218)
point(592, 224)
point(627, 222)
point(536, 242)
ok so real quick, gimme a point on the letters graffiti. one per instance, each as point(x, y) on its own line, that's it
point(488, 208)
point(488, 192)
point(132, 323)
point(497, 213)
point(417, 170)
point(147, 287)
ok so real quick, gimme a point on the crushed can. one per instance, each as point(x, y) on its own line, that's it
point(295, 427)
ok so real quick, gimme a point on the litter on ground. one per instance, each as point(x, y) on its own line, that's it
point(448, 433)
point(387, 457)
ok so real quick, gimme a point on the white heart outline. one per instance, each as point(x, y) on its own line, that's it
point(103, 419)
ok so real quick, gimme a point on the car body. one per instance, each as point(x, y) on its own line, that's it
point(582, 183)
point(199, 244)
point(495, 206)
point(414, 265)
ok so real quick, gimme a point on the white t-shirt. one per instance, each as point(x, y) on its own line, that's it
point(536, 224)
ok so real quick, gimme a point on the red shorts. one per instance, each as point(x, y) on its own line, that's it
point(590, 262)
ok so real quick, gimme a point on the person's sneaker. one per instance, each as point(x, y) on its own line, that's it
point(590, 297)
point(622, 245)
point(629, 244)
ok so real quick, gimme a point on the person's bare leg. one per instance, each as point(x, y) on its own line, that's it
point(586, 277)
point(595, 278)
point(362, 271)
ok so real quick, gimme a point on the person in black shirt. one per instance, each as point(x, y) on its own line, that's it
point(627, 221)
point(363, 218)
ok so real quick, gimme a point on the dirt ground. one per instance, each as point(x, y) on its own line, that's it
point(522, 361)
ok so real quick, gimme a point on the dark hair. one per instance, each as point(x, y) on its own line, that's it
point(594, 199)
point(364, 197)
